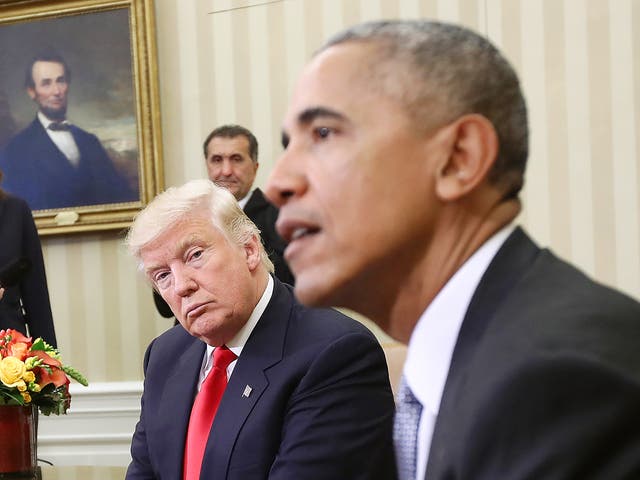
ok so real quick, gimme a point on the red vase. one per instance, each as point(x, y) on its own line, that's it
point(18, 439)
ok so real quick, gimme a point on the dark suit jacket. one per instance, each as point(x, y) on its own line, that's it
point(320, 407)
point(545, 377)
point(36, 170)
point(19, 238)
point(264, 215)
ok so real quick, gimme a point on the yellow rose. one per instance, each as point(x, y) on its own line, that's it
point(26, 397)
point(29, 377)
point(11, 371)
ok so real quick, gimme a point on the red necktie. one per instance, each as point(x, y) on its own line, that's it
point(204, 410)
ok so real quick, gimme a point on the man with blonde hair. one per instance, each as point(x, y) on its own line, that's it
point(252, 384)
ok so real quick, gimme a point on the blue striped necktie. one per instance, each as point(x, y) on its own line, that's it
point(405, 431)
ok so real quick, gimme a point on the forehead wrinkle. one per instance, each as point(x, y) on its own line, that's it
point(175, 251)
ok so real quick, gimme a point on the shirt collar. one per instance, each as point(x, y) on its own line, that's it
point(236, 344)
point(435, 335)
point(244, 200)
point(46, 121)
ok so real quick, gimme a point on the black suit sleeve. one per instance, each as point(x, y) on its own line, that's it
point(555, 419)
point(33, 287)
point(339, 421)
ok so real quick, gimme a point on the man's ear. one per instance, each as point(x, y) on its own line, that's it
point(252, 252)
point(473, 151)
point(32, 93)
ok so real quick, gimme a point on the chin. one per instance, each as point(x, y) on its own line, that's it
point(313, 293)
point(54, 113)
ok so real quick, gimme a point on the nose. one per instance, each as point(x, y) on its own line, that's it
point(227, 169)
point(183, 282)
point(287, 178)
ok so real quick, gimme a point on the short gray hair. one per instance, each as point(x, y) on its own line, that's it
point(440, 72)
point(177, 203)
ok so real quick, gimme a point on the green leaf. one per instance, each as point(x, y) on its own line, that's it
point(14, 398)
point(38, 344)
point(75, 374)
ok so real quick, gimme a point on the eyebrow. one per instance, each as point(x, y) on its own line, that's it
point(180, 247)
point(309, 115)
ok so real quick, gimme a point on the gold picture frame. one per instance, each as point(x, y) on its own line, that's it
point(112, 103)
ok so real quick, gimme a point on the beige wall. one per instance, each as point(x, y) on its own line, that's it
point(226, 61)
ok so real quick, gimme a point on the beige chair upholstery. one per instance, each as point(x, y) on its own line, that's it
point(395, 353)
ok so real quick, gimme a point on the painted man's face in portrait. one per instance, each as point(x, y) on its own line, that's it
point(50, 89)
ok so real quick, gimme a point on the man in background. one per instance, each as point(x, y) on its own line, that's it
point(405, 151)
point(285, 392)
point(231, 155)
point(53, 163)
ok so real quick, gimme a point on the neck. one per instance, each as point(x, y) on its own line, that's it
point(460, 233)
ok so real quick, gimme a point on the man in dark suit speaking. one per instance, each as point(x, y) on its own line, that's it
point(518, 366)
point(53, 163)
point(253, 385)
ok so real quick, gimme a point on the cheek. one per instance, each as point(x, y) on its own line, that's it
point(172, 300)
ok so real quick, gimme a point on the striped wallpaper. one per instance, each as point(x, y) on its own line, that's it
point(226, 61)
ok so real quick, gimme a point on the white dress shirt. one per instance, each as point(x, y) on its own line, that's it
point(244, 200)
point(236, 344)
point(434, 338)
point(63, 139)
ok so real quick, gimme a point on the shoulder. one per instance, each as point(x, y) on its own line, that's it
point(11, 203)
point(561, 298)
point(319, 323)
point(83, 134)
point(258, 204)
point(25, 136)
point(171, 342)
point(545, 302)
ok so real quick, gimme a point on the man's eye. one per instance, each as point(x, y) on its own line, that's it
point(161, 279)
point(195, 255)
point(161, 275)
point(322, 132)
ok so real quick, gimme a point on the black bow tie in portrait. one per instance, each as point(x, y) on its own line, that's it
point(59, 126)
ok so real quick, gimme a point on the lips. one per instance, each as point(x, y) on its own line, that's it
point(196, 310)
point(292, 230)
point(299, 233)
point(225, 183)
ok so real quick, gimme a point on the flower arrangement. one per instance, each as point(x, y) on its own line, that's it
point(31, 373)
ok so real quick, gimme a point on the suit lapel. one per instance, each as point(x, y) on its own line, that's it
point(175, 408)
point(263, 350)
point(511, 262)
point(256, 202)
point(50, 160)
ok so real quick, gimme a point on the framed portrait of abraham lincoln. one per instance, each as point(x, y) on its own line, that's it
point(80, 137)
